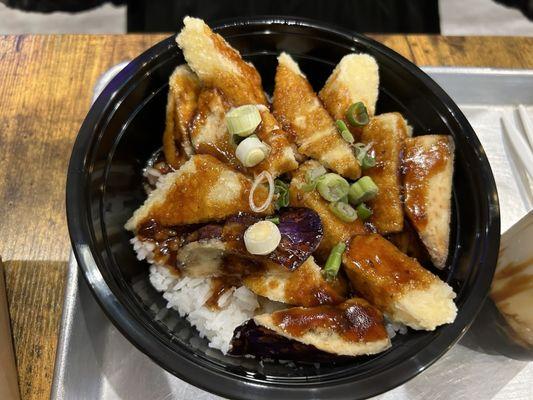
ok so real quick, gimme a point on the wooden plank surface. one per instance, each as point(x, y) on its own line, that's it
point(45, 92)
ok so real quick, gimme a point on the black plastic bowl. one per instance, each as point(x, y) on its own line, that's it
point(125, 126)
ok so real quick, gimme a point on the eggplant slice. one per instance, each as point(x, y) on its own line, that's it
point(252, 339)
point(300, 228)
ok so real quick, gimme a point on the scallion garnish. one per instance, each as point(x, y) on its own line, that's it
point(311, 178)
point(274, 220)
point(343, 211)
point(333, 263)
point(363, 212)
point(362, 190)
point(251, 151)
point(357, 115)
point(281, 189)
point(368, 161)
point(332, 187)
point(243, 120)
point(343, 130)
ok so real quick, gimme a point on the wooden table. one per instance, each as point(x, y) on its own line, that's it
point(45, 91)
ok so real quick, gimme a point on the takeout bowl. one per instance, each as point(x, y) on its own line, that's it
point(125, 125)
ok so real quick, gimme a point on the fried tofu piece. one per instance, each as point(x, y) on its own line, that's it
point(386, 133)
point(427, 179)
point(354, 79)
point(335, 230)
point(351, 328)
point(220, 66)
point(302, 114)
point(305, 286)
point(209, 133)
point(408, 242)
point(202, 190)
point(397, 284)
point(184, 88)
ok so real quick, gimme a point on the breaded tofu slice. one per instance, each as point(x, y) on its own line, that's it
point(219, 65)
point(305, 286)
point(427, 178)
point(335, 230)
point(354, 79)
point(208, 130)
point(184, 88)
point(302, 114)
point(209, 135)
point(202, 190)
point(397, 284)
point(386, 133)
point(351, 328)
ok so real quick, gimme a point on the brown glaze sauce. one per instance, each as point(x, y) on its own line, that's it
point(419, 165)
point(221, 285)
point(355, 321)
point(189, 200)
point(167, 240)
point(305, 289)
point(379, 271)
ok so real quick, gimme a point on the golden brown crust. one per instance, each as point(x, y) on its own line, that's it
point(351, 328)
point(354, 79)
point(209, 134)
point(304, 286)
point(184, 88)
point(202, 190)
point(387, 133)
point(427, 178)
point(381, 272)
point(218, 64)
point(302, 114)
point(221, 66)
point(335, 230)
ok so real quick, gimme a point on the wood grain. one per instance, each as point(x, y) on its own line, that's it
point(45, 92)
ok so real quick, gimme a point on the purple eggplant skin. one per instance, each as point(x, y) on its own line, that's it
point(252, 339)
point(301, 232)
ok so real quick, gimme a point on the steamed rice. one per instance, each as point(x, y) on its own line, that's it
point(188, 296)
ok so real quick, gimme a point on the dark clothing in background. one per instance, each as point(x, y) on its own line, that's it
point(405, 16)
point(526, 6)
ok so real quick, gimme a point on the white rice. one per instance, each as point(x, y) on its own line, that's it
point(189, 295)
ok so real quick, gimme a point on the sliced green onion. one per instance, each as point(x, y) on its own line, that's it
point(274, 220)
point(361, 151)
point(311, 178)
point(281, 189)
point(314, 173)
point(357, 115)
point(363, 212)
point(343, 130)
point(343, 211)
point(243, 120)
point(344, 199)
point(368, 162)
point(362, 190)
point(332, 187)
point(333, 263)
point(251, 151)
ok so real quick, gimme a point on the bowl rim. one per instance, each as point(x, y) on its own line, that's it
point(193, 370)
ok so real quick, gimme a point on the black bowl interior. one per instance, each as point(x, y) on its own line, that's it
point(125, 126)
